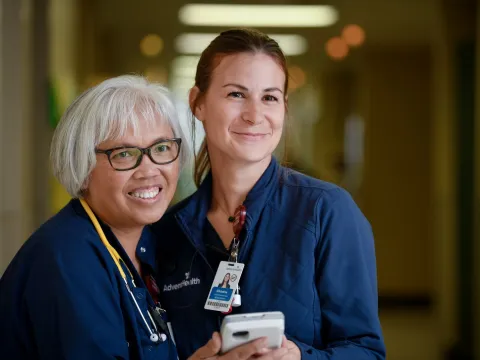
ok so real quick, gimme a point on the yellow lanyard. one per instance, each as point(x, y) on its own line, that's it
point(154, 337)
point(113, 253)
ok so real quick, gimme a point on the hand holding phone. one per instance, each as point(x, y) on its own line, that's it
point(240, 329)
point(211, 350)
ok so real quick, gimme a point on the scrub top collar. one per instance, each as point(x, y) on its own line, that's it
point(194, 215)
point(146, 247)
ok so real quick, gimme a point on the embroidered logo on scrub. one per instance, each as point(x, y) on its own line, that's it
point(188, 281)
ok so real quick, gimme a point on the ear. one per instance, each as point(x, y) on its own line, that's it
point(195, 106)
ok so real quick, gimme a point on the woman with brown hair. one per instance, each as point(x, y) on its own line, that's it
point(307, 249)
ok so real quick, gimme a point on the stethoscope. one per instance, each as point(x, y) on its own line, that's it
point(155, 336)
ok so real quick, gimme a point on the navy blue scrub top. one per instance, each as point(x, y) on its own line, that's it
point(62, 296)
point(215, 249)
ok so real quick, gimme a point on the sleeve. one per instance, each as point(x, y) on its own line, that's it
point(74, 306)
point(346, 283)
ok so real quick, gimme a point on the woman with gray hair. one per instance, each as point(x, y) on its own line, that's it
point(82, 285)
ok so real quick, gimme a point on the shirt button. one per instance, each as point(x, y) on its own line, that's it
point(142, 249)
point(150, 348)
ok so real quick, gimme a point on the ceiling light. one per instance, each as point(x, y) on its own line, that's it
point(185, 66)
point(336, 48)
point(297, 77)
point(195, 43)
point(353, 35)
point(151, 45)
point(258, 15)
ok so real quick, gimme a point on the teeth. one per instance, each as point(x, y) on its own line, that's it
point(146, 194)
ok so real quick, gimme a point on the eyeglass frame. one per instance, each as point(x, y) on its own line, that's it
point(143, 151)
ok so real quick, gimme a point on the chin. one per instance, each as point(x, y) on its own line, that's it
point(252, 152)
point(252, 156)
point(148, 219)
point(152, 216)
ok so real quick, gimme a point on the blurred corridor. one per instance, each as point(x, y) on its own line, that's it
point(384, 101)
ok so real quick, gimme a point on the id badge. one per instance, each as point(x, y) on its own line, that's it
point(224, 286)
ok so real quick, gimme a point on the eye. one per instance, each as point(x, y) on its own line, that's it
point(123, 154)
point(236, 94)
point(162, 148)
point(270, 98)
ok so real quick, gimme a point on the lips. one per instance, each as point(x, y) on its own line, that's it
point(249, 134)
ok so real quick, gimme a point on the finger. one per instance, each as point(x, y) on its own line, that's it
point(217, 341)
point(211, 348)
point(264, 351)
point(284, 342)
point(291, 345)
point(243, 352)
point(274, 354)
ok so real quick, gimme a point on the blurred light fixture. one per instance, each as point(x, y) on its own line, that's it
point(336, 48)
point(151, 45)
point(297, 77)
point(185, 66)
point(258, 15)
point(195, 43)
point(182, 77)
point(353, 35)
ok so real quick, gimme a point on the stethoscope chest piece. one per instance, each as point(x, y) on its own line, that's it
point(155, 338)
point(237, 300)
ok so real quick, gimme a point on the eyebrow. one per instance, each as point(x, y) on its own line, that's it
point(153, 143)
point(270, 89)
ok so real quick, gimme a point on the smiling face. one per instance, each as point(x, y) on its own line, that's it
point(243, 110)
point(136, 197)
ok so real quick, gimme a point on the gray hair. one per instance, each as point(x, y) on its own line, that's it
point(106, 112)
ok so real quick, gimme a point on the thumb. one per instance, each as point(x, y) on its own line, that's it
point(210, 349)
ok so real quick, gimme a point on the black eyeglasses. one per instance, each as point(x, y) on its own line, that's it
point(127, 158)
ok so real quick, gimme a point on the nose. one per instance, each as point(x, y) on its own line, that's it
point(253, 112)
point(146, 169)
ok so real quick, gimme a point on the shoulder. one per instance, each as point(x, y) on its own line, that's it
point(303, 186)
point(67, 238)
point(310, 198)
point(66, 230)
point(177, 207)
point(168, 223)
point(64, 256)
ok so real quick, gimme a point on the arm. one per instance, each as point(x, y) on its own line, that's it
point(73, 305)
point(346, 283)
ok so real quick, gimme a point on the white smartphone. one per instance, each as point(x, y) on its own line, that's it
point(239, 329)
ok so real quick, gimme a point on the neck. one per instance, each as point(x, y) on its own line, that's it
point(232, 182)
point(129, 239)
